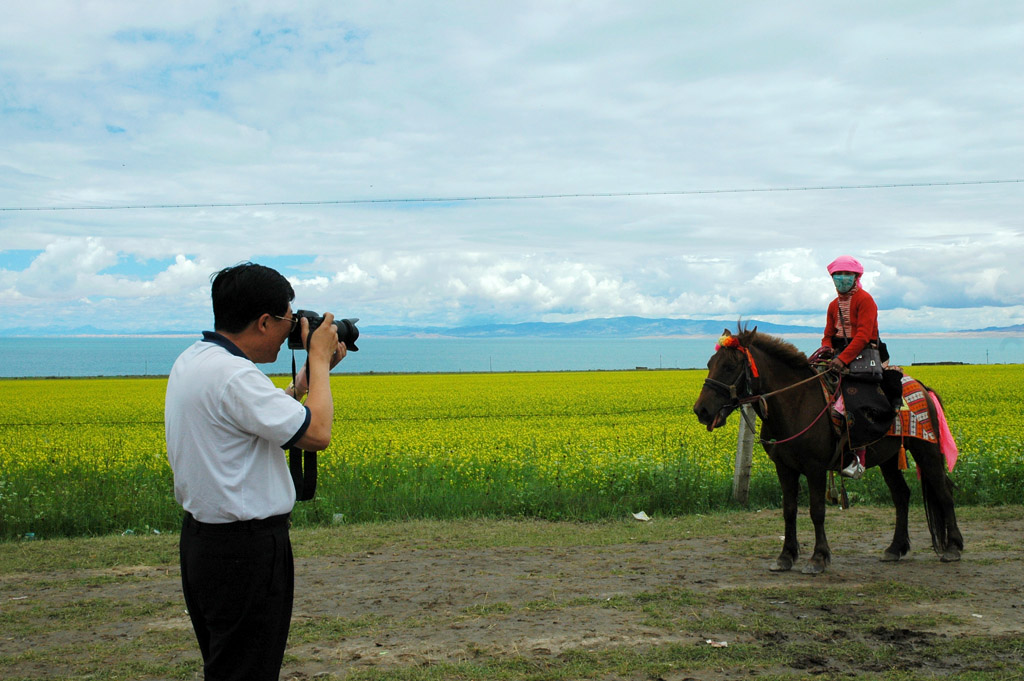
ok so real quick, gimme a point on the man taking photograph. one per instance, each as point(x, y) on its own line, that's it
point(226, 427)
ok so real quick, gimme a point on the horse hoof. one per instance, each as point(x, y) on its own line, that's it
point(781, 566)
point(950, 556)
point(890, 557)
point(813, 569)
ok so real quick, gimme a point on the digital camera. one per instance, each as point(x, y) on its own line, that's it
point(347, 331)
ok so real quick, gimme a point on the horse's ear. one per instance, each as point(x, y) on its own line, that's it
point(754, 331)
point(725, 332)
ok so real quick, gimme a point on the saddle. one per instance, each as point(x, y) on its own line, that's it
point(900, 392)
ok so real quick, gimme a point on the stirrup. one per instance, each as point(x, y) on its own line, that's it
point(855, 470)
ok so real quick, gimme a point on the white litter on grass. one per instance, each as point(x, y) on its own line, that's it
point(717, 644)
point(641, 516)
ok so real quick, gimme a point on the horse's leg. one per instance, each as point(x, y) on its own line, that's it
point(900, 493)
point(822, 555)
point(956, 540)
point(789, 480)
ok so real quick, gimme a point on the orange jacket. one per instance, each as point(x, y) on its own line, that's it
point(863, 323)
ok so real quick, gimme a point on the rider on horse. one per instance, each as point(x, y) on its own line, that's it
point(851, 325)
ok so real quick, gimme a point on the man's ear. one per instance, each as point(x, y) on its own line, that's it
point(260, 323)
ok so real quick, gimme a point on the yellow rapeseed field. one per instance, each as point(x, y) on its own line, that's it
point(82, 456)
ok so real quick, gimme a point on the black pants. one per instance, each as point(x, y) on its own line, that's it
point(239, 582)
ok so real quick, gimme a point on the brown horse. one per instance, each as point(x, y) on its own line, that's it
point(774, 377)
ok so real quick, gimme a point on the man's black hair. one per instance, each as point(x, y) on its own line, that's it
point(244, 292)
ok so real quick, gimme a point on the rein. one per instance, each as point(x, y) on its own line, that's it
point(828, 403)
point(754, 398)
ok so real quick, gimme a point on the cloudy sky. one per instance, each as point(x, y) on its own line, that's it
point(425, 163)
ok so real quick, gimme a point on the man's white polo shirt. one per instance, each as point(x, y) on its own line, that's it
point(226, 424)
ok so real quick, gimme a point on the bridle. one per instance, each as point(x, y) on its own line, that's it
point(732, 390)
point(745, 377)
point(748, 372)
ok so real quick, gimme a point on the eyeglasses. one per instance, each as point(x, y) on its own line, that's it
point(293, 320)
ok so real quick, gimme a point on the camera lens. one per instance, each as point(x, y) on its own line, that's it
point(348, 333)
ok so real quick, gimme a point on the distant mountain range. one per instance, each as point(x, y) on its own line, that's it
point(613, 327)
point(1016, 328)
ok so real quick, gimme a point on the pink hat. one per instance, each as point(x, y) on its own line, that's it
point(845, 263)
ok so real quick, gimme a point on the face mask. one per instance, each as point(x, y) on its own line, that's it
point(844, 282)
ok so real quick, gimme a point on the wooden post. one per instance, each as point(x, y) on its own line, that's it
point(744, 456)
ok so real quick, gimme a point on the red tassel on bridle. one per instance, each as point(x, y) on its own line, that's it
point(730, 341)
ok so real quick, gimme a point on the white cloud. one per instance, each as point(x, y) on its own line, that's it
point(211, 103)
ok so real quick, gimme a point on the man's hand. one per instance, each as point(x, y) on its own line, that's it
point(323, 346)
point(322, 354)
point(837, 365)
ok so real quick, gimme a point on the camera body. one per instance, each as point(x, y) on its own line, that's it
point(347, 331)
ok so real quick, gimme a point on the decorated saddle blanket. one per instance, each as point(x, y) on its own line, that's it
point(913, 419)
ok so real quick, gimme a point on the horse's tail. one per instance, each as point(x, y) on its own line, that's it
point(934, 509)
point(935, 512)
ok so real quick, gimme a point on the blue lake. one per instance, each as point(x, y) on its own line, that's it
point(153, 356)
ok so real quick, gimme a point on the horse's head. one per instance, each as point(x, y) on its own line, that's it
point(729, 374)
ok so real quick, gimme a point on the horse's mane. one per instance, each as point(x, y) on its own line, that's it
point(784, 351)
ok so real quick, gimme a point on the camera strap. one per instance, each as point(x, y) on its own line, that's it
point(302, 464)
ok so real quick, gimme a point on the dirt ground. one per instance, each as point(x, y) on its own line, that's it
point(446, 584)
point(423, 606)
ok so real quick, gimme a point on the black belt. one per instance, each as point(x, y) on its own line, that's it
point(256, 525)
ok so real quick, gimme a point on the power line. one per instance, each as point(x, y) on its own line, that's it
point(512, 197)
